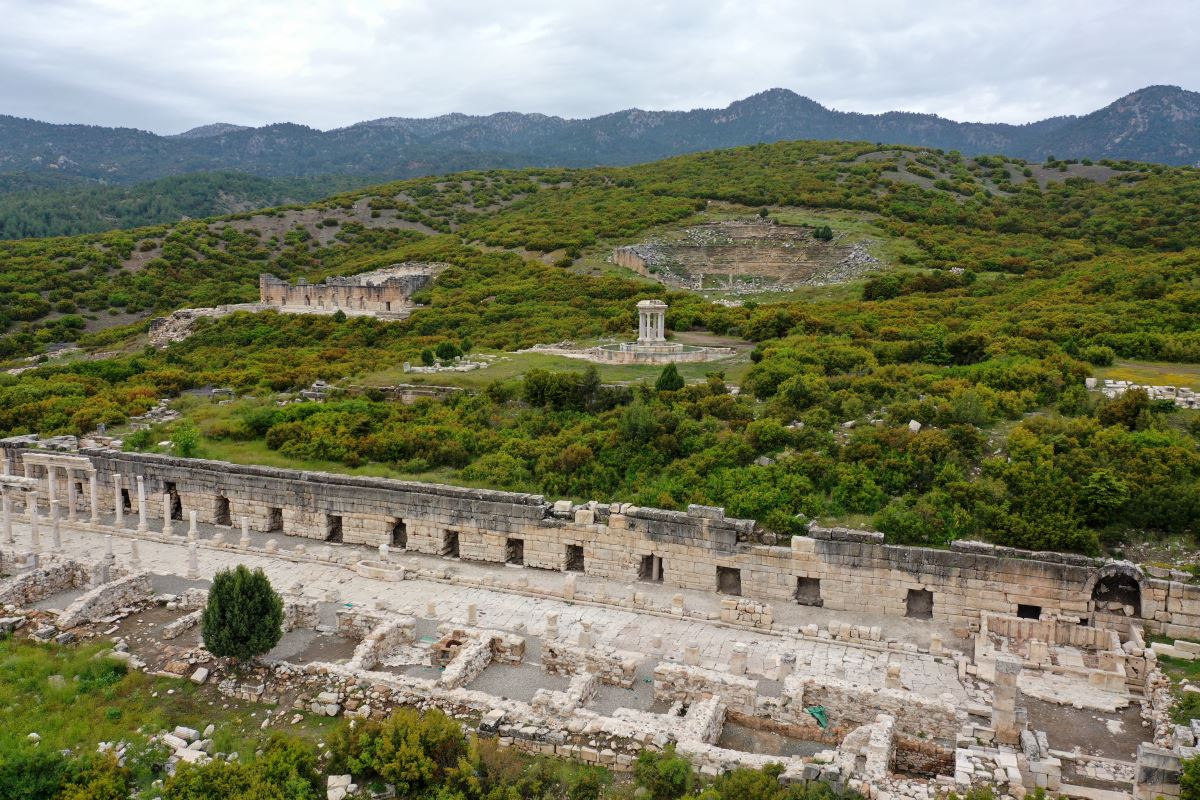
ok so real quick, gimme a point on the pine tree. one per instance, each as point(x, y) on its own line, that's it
point(244, 615)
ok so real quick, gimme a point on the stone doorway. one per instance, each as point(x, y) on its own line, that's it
point(574, 558)
point(176, 502)
point(449, 547)
point(651, 569)
point(919, 604)
point(221, 512)
point(333, 528)
point(399, 535)
point(514, 552)
point(808, 592)
point(729, 581)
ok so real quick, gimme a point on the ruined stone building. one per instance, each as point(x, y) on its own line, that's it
point(381, 293)
point(931, 669)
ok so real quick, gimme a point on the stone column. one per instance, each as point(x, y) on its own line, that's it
point(72, 497)
point(192, 533)
point(893, 679)
point(35, 535)
point(135, 558)
point(430, 608)
point(585, 635)
point(51, 489)
point(6, 512)
point(25, 468)
point(244, 543)
point(143, 523)
point(551, 626)
point(737, 661)
point(1004, 700)
point(31, 505)
point(119, 502)
point(55, 529)
point(93, 498)
point(193, 561)
point(168, 524)
point(691, 654)
point(472, 614)
point(569, 587)
point(108, 551)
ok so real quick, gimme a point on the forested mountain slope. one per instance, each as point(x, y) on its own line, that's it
point(1157, 123)
point(1017, 281)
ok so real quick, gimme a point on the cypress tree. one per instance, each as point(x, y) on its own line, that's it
point(669, 380)
point(244, 615)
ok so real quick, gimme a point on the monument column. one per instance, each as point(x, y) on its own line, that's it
point(143, 522)
point(51, 489)
point(1004, 700)
point(119, 501)
point(6, 510)
point(72, 496)
point(93, 498)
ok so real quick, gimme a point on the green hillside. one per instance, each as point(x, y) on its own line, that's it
point(1002, 285)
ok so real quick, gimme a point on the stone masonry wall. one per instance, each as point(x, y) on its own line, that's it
point(105, 599)
point(851, 570)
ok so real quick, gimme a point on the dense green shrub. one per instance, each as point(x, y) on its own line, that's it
point(244, 615)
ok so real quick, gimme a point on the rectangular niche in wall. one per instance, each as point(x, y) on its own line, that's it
point(651, 569)
point(729, 580)
point(1026, 611)
point(333, 528)
point(399, 535)
point(919, 604)
point(172, 491)
point(274, 519)
point(449, 544)
point(514, 552)
point(808, 592)
point(574, 558)
point(221, 513)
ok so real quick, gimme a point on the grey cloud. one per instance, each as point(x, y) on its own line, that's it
point(167, 65)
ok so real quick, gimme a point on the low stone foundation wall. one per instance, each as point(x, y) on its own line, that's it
point(688, 684)
point(613, 667)
point(29, 587)
point(381, 640)
point(105, 599)
point(914, 715)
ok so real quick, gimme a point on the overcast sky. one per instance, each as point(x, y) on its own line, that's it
point(168, 65)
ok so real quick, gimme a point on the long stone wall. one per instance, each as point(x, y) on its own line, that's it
point(699, 549)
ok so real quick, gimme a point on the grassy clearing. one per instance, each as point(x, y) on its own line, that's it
point(513, 365)
point(100, 700)
point(1155, 373)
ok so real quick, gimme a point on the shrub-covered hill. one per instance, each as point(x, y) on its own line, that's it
point(1014, 287)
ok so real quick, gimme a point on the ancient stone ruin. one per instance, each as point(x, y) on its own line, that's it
point(596, 630)
point(745, 256)
point(384, 294)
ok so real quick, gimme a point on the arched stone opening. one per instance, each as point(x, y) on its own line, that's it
point(1116, 589)
point(1118, 593)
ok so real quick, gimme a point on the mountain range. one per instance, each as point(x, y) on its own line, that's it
point(1156, 124)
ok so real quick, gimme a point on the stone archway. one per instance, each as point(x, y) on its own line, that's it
point(1119, 589)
